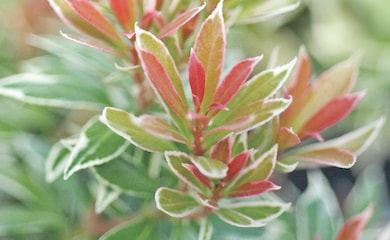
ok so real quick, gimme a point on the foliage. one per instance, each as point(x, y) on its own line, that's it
point(179, 142)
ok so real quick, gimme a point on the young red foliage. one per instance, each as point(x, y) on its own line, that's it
point(236, 164)
point(124, 11)
point(254, 188)
point(93, 16)
point(162, 83)
point(195, 171)
point(352, 229)
point(197, 78)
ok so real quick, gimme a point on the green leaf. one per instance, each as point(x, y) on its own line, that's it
point(250, 214)
point(52, 90)
point(211, 168)
point(141, 229)
point(175, 203)
point(261, 86)
point(247, 118)
point(210, 49)
point(130, 127)
point(96, 145)
point(175, 162)
point(124, 176)
point(260, 169)
point(57, 161)
point(19, 220)
point(317, 210)
point(105, 196)
point(205, 231)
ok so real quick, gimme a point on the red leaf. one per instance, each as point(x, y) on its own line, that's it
point(125, 12)
point(287, 138)
point(234, 80)
point(299, 86)
point(237, 163)
point(352, 229)
point(197, 77)
point(254, 188)
point(222, 150)
point(89, 13)
point(179, 21)
point(331, 113)
point(162, 83)
point(195, 171)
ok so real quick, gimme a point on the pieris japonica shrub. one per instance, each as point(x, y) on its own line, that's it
point(194, 143)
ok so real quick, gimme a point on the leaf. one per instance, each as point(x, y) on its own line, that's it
point(252, 14)
point(196, 77)
point(104, 197)
point(234, 80)
point(56, 161)
point(286, 138)
point(250, 214)
point(341, 151)
point(260, 169)
point(175, 203)
point(358, 140)
point(222, 150)
point(211, 168)
point(236, 164)
point(160, 128)
point(129, 127)
point(353, 228)
point(195, 171)
point(261, 86)
point(124, 176)
point(333, 83)
point(90, 14)
point(205, 231)
point(210, 49)
point(163, 85)
point(331, 156)
point(245, 119)
point(53, 90)
point(254, 188)
point(317, 210)
point(176, 162)
point(331, 113)
point(23, 221)
point(142, 229)
point(145, 41)
point(68, 15)
point(180, 20)
point(96, 145)
point(90, 44)
point(125, 12)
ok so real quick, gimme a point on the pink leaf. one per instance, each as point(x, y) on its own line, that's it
point(162, 83)
point(195, 171)
point(331, 113)
point(89, 13)
point(125, 12)
point(287, 138)
point(234, 80)
point(237, 163)
point(222, 150)
point(254, 188)
point(353, 228)
point(197, 77)
point(179, 21)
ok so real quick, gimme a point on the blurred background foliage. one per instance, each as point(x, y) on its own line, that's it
point(333, 30)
